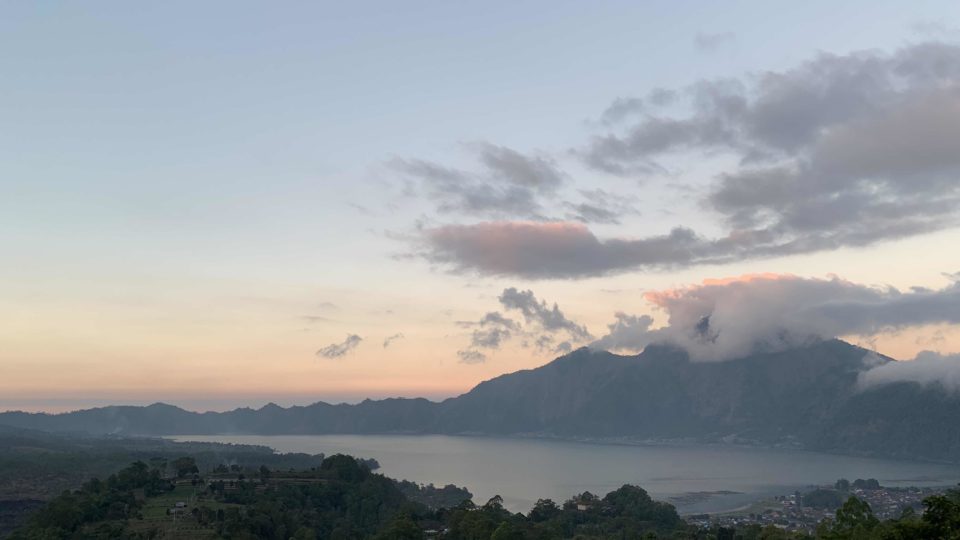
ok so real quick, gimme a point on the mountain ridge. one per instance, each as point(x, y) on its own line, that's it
point(807, 397)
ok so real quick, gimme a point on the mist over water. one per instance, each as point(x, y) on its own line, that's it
point(523, 470)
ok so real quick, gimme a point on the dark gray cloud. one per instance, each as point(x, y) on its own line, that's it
point(724, 319)
point(509, 184)
point(537, 312)
point(337, 350)
point(493, 330)
point(710, 42)
point(785, 115)
point(390, 339)
point(928, 368)
point(542, 325)
point(490, 332)
point(510, 166)
point(839, 151)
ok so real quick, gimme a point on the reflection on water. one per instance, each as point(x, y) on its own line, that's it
point(695, 478)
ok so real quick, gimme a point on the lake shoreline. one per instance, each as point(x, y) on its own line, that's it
point(525, 468)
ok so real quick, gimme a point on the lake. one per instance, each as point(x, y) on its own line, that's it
point(523, 470)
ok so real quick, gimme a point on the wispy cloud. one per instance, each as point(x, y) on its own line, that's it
point(390, 339)
point(508, 183)
point(708, 42)
point(337, 350)
point(542, 324)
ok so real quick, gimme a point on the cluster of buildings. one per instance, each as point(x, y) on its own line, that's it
point(789, 512)
point(889, 503)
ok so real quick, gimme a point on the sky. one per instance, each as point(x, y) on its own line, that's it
point(225, 204)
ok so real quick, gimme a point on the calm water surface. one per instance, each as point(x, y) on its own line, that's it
point(523, 470)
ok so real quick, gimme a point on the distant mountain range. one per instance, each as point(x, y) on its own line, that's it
point(805, 397)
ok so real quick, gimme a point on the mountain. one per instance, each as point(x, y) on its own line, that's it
point(806, 397)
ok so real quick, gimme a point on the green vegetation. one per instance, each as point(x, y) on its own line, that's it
point(628, 512)
point(434, 497)
point(36, 465)
point(854, 520)
point(834, 498)
point(341, 498)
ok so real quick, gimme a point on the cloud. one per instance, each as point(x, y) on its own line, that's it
point(493, 330)
point(541, 325)
point(471, 357)
point(509, 184)
point(390, 339)
point(623, 108)
point(510, 166)
point(315, 318)
point(620, 109)
point(711, 42)
point(723, 319)
point(600, 206)
point(490, 332)
point(337, 350)
point(630, 332)
point(928, 368)
point(535, 311)
point(835, 152)
point(542, 250)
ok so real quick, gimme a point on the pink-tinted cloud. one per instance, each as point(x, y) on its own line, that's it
point(556, 249)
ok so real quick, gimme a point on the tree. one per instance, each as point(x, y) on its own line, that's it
point(401, 528)
point(871, 483)
point(305, 533)
point(345, 468)
point(507, 531)
point(495, 503)
point(184, 466)
point(854, 521)
point(543, 510)
point(942, 516)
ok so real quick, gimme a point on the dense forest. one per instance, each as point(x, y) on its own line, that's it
point(342, 498)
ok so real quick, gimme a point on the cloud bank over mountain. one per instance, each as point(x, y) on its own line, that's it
point(928, 368)
point(730, 318)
